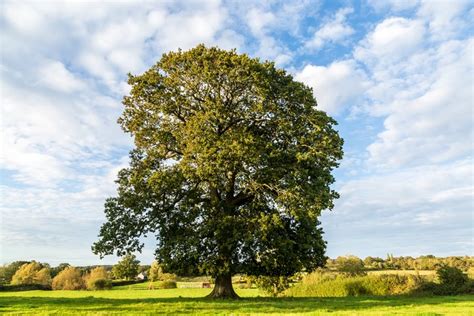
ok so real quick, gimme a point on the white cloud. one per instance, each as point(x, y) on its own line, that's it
point(434, 123)
point(415, 192)
point(333, 31)
point(392, 40)
point(262, 22)
point(409, 212)
point(335, 86)
point(55, 76)
point(443, 17)
point(394, 5)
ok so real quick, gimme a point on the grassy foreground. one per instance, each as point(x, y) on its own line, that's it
point(136, 300)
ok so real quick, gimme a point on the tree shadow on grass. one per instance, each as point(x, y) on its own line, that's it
point(203, 305)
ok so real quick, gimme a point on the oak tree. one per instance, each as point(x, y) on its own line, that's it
point(127, 268)
point(231, 168)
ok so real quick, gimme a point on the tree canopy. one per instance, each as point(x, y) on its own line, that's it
point(127, 268)
point(231, 168)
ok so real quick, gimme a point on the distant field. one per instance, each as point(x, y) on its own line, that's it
point(137, 300)
point(414, 272)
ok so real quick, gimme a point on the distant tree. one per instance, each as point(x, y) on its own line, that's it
point(127, 268)
point(59, 268)
point(232, 168)
point(451, 276)
point(273, 285)
point(32, 273)
point(155, 271)
point(7, 271)
point(350, 265)
point(68, 279)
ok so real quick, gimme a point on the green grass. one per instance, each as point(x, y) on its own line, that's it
point(137, 300)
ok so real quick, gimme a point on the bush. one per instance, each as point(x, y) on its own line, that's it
point(126, 282)
point(68, 279)
point(350, 265)
point(31, 273)
point(451, 276)
point(167, 285)
point(99, 284)
point(156, 273)
point(470, 273)
point(24, 287)
point(452, 281)
point(322, 285)
point(273, 285)
point(98, 279)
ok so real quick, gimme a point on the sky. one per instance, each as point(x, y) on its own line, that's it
point(396, 75)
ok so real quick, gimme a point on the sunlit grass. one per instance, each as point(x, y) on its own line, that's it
point(138, 300)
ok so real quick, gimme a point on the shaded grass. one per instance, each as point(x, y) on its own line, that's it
point(140, 302)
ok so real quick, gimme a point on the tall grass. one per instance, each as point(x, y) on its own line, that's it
point(319, 284)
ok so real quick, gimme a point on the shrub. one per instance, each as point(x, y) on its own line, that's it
point(99, 284)
point(350, 265)
point(167, 285)
point(98, 274)
point(24, 287)
point(68, 279)
point(470, 273)
point(156, 273)
point(451, 276)
point(322, 285)
point(272, 285)
point(451, 281)
point(126, 282)
point(31, 273)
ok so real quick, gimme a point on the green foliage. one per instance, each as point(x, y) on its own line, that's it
point(231, 169)
point(127, 268)
point(7, 271)
point(24, 287)
point(99, 284)
point(55, 271)
point(329, 285)
point(69, 278)
point(156, 273)
point(272, 285)
point(451, 276)
point(167, 285)
point(31, 273)
point(350, 265)
point(126, 282)
point(452, 281)
point(98, 279)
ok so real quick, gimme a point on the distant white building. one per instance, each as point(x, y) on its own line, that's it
point(142, 276)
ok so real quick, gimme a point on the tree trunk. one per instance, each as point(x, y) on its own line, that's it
point(223, 288)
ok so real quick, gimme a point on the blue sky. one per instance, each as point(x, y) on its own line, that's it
point(396, 75)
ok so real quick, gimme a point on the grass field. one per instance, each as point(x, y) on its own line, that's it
point(137, 300)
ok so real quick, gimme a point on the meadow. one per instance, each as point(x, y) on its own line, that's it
point(138, 300)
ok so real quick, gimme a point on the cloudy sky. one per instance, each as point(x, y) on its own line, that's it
point(397, 76)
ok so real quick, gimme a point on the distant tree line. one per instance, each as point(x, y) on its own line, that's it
point(33, 274)
point(64, 276)
point(428, 262)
